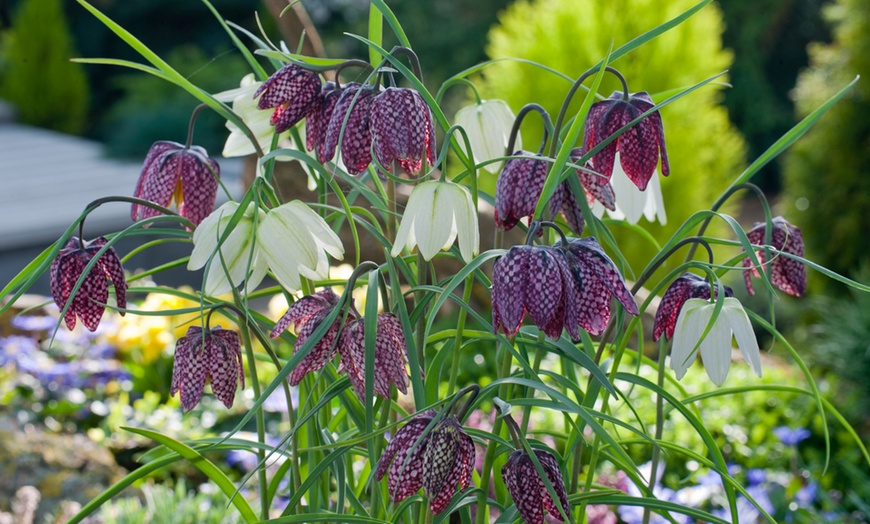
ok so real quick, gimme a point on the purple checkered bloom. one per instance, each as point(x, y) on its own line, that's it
point(787, 274)
point(390, 355)
point(639, 147)
point(596, 280)
point(173, 172)
point(317, 121)
point(402, 129)
point(293, 91)
point(210, 355)
point(536, 279)
point(682, 289)
point(355, 138)
point(518, 189)
point(307, 313)
point(528, 490)
point(440, 462)
point(90, 299)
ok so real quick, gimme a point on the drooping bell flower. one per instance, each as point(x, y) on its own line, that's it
point(293, 91)
point(488, 126)
point(596, 186)
point(438, 213)
point(441, 463)
point(715, 348)
point(390, 355)
point(518, 189)
point(210, 355)
point(317, 121)
point(528, 490)
point(89, 302)
point(536, 279)
point(682, 289)
point(787, 274)
point(354, 138)
point(596, 280)
point(174, 172)
point(402, 129)
point(244, 105)
point(308, 313)
point(640, 147)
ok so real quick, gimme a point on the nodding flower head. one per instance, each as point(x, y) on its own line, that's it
point(402, 129)
point(390, 355)
point(293, 91)
point(518, 189)
point(317, 121)
point(90, 299)
point(212, 355)
point(354, 138)
point(528, 490)
point(682, 289)
point(787, 274)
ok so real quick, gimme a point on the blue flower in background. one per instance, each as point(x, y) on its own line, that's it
point(807, 494)
point(791, 437)
point(755, 476)
point(15, 347)
point(29, 323)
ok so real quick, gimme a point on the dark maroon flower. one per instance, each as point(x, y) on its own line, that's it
point(89, 302)
point(390, 355)
point(212, 355)
point(355, 138)
point(307, 313)
point(787, 274)
point(174, 172)
point(518, 189)
point(536, 279)
point(317, 121)
point(293, 91)
point(682, 289)
point(442, 460)
point(639, 147)
point(402, 129)
point(528, 490)
point(597, 187)
point(596, 279)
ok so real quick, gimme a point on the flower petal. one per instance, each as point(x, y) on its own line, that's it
point(740, 325)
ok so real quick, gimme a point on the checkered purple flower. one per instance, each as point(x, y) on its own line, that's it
point(317, 121)
point(89, 302)
point(518, 189)
point(682, 289)
point(174, 172)
point(596, 280)
point(402, 129)
point(355, 138)
point(293, 91)
point(441, 463)
point(639, 147)
point(787, 274)
point(210, 355)
point(536, 279)
point(307, 313)
point(390, 355)
point(528, 490)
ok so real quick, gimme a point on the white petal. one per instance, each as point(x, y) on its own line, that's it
point(423, 208)
point(284, 249)
point(655, 205)
point(716, 348)
point(466, 224)
point(690, 326)
point(234, 253)
point(632, 203)
point(405, 235)
point(742, 328)
point(488, 127)
point(319, 230)
point(205, 235)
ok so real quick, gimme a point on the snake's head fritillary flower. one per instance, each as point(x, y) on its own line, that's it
point(436, 214)
point(390, 355)
point(640, 147)
point(210, 355)
point(238, 143)
point(308, 313)
point(350, 128)
point(715, 347)
point(317, 121)
point(488, 126)
point(518, 189)
point(528, 490)
point(682, 289)
point(536, 279)
point(293, 91)
point(402, 129)
point(441, 463)
point(89, 302)
point(597, 280)
point(174, 172)
point(787, 274)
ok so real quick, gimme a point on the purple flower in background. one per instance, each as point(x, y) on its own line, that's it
point(807, 494)
point(33, 323)
point(213, 355)
point(317, 121)
point(402, 129)
point(755, 476)
point(16, 347)
point(527, 489)
point(787, 274)
point(791, 437)
point(293, 91)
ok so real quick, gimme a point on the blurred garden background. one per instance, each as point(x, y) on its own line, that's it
point(63, 398)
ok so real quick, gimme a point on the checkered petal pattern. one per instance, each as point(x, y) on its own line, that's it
point(172, 171)
point(390, 355)
point(640, 147)
point(293, 91)
point(527, 489)
point(682, 289)
point(786, 274)
point(518, 188)
point(596, 186)
point(89, 302)
point(207, 355)
point(459, 476)
point(356, 141)
point(317, 122)
point(406, 475)
point(402, 129)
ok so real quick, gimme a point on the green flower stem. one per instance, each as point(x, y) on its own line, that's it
point(724, 198)
point(133, 200)
point(377, 503)
point(391, 204)
point(419, 299)
point(515, 129)
point(261, 421)
point(530, 392)
point(458, 81)
point(660, 415)
point(460, 326)
point(190, 126)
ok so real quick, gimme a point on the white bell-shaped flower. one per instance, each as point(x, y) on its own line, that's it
point(715, 348)
point(488, 125)
point(244, 105)
point(631, 202)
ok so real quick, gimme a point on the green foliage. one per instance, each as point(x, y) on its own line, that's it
point(706, 152)
point(164, 505)
point(827, 190)
point(38, 79)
